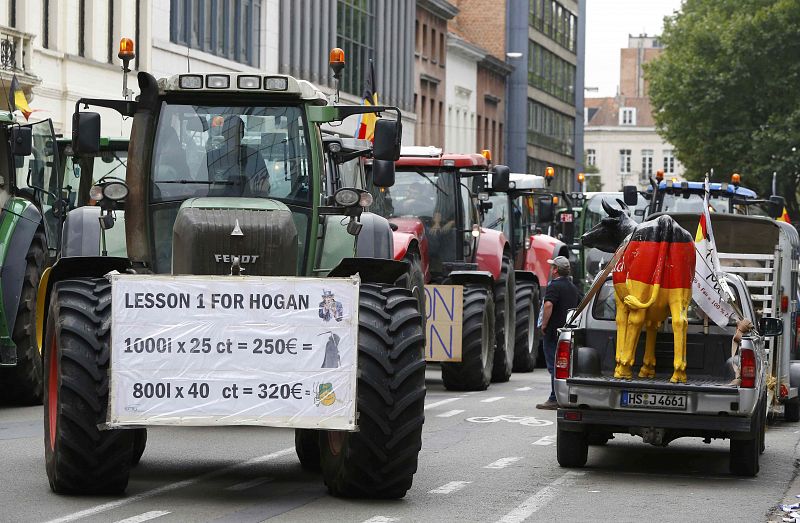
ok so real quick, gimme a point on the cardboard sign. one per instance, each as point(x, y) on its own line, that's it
point(211, 350)
point(444, 311)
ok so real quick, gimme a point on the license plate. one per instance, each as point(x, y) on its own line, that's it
point(653, 400)
point(566, 218)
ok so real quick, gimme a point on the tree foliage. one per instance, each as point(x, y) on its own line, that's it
point(726, 91)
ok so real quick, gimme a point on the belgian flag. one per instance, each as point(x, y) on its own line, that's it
point(17, 100)
point(785, 216)
point(366, 125)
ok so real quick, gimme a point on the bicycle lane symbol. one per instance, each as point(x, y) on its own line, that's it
point(528, 421)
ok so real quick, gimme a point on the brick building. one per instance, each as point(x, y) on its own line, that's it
point(430, 58)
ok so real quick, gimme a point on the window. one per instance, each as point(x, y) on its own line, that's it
point(591, 157)
point(624, 161)
point(551, 18)
point(550, 73)
point(425, 41)
point(647, 165)
point(356, 35)
point(627, 116)
point(226, 28)
point(442, 49)
point(12, 13)
point(416, 36)
point(669, 162)
point(46, 24)
point(550, 129)
point(110, 43)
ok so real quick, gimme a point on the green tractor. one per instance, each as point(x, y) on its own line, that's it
point(28, 239)
point(229, 183)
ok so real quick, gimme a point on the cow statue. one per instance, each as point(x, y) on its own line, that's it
point(652, 280)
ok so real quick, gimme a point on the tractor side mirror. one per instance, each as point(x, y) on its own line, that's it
point(388, 134)
point(500, 178)
point(545, 210)
point(21, 141)
point(86, 133)
point(770, 327)
point(776, 206)
point(630, 195)
point(383, 173)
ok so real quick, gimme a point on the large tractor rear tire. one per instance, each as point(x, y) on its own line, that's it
point(23, 383)
point(505, 313)
point(379, 461)
point(474, 371)
point(79, 457)
point(414, 280)
point(527, 331)
point(306, 445)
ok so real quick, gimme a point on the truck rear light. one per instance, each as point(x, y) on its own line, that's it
point(784, 391)
point(784, 303)
point(562, 359)
point(748, 368)
point(572, 415)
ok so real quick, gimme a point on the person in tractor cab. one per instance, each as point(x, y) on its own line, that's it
point(229, 160)
point(561, 296)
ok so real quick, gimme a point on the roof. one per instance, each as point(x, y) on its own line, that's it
point(715, 187)
point(604, 112)
point(279, 84)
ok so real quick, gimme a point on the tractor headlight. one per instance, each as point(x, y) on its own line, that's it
point(96, 193)
point(249, 82)
point(115, 191)
point(190, 81)
point(346, 197)
point(276, 83)
point(218, 81)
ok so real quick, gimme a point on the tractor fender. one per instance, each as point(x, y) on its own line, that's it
point(526, 276)
point(794, 374)
point(410, 233)
point(375, 239)
point(370, 270)
point(463, 277)
point(66, 268)
point(543, 248)
point(402, 242)
point(19, 221)
point(489, 252)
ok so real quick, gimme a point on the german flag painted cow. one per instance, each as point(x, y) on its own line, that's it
point(652, 280)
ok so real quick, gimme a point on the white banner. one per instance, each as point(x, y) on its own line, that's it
point(210, 350)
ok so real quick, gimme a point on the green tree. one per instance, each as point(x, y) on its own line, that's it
point(726, 91)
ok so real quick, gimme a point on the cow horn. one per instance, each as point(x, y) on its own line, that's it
point(612, 212)
point(624, 207)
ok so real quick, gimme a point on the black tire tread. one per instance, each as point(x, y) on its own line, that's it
point(85, 460)
point(572, 448)
point(478, 314)
point(23, 384)
point(524, 356)
point(504, 304)
point(379, 461)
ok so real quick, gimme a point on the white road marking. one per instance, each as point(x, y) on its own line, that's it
point(170, 487)
point(438, 403)
point(502, 463)
point(531, 505)
point(492, 400)
point(523, 389)
point(248, 484)
point(546, 440)
point(449, 413)
point(449, 488)
point(147, 516)
point(380, 519)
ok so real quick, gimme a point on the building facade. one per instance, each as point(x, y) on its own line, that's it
point(462, 93)
point(621, 139)
point(545, 93)
point(63, 50)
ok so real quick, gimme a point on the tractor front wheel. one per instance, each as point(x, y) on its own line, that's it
point(23, 383)
point(505, 312)
point(379, 461)
point(79, 457)
point(474, 371)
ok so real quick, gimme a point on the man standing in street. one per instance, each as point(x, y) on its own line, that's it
point(560, 296)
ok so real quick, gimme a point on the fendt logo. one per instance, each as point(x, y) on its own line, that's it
point(243, 258)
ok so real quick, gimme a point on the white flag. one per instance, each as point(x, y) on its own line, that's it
point(709, 290)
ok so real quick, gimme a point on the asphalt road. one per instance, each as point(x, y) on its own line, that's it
point(487, 456)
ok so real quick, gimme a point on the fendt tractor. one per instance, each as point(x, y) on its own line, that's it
point(436, 223)
point(28, 238)
point(234, 230)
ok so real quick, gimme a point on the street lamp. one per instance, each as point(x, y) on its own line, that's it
point(514, 54)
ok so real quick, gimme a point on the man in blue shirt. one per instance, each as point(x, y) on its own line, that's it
point(561, 296)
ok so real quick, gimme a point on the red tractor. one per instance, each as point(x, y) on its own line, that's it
point(437, 230)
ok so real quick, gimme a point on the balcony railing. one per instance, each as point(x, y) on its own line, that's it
point(15, 50)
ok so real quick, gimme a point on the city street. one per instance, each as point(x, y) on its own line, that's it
point(487, 456)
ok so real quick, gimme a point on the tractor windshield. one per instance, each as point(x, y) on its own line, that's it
point(231, 151)
point(498, 216)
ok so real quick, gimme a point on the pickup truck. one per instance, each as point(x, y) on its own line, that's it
point(713, 403)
